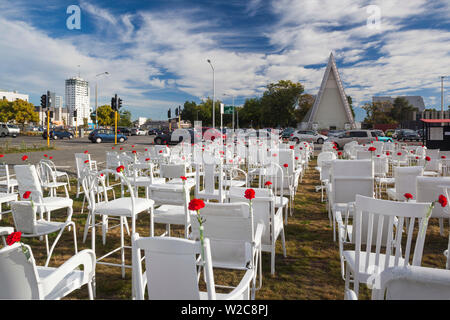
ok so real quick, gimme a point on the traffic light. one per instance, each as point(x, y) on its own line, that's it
point(176, 112)
point(113, 103)
point(51, 114)
point(112, 114)
point(44, 101)
point(169, 114)
point(119, 104)
point(75, 114)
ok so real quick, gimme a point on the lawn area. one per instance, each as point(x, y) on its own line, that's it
point(311, 269)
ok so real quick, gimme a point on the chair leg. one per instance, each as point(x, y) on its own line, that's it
point(283, 242)
point(90, 292)
point(104, 228)
point(272, 260)
point(86, 227)
point(122, 245)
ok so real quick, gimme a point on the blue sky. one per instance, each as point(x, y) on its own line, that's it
point(156, 51)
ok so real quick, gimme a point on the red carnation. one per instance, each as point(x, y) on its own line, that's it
point(408, 196)
point(86, 161)
point(339, 153)
point(443, 200)
point(86, 151)
point(183, 178)
point(399, 153)
point(291, 147)
point(443, 157)
point(160, 151)
point(371, 149)
point(25, 158)
point(45, 155)
point(296, 158)
point(146, 149)
point(51, 158)
point(119, 169)
point(26, 195)
point(285, 165)
point(249, 194)
point(268, 183)
point(417, 158)
point(427, 158)
point(196, 204)
point(13, 238)
point(113, 148)
point(388, 153)
point(1, 155)
point(147, 159)
point(132, 146)
point(134, 151)
point(121, 148)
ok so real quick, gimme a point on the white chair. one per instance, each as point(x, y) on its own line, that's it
point(171, 271)
point(412, 283)
point(57, 173)
point(122, 208)
point(235, 243)
point(172, 200)
point(405, 182)
point(373, 226)
point(207, 191)
point(47, 178)
point(264, 212)
point(83, 161)
point(4, 232)
point(428, 190)
point(22, 279)
point(24, 215)
point(28, 181)
point(6, 182)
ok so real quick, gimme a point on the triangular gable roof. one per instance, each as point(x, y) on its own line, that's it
point(330, 67)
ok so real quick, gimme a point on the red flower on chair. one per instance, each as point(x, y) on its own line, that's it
point(339, 153)
point(119, 169)
point(399, 153)
point(388, 153)
point(427, 158)
point(86, 152)
point(134, 151)
point(408, 196)
point(443, 200)
point(26, 195)
point(268, 184)
point(183, 178)
point(372, 149)
point(13, 238)
point(25, 158)
point(45, 155)
point(285, 165)
point(160, 151)
point(147, 159)
point(86, 161)
point(249, 194)
point(1, 155)
point(296, 158)
point(50, 158)
point(196, 204)
point(291, 147)
point(443, 157)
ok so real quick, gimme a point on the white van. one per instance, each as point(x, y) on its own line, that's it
point(7, 129)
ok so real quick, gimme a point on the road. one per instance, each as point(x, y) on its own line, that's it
point(63, 155)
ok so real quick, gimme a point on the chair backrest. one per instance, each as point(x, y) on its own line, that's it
point(405, 180)
point(377, 212)
point(4, 174)
point(171, 268)
point(229, 228)
point(363, 155)
point(28, 180)
point(389, 146)
point(112, 160)
point(24, 215)
point(381, 165)
point(80, 161)
point(19, 279)
point(325, 156)
point(287, 157)
point(412, 283)
point(45, 172)
point(433, 153)
point(172, 171)
point(263, 207)
point(429, 189)
point(351, 177)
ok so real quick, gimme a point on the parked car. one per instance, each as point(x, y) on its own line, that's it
point(408, 134)
point(287, 133)
point(105, 135)
point(361, 136)
point(7, 129)
point(379, 136)
point(123, 130)
point(334, 133)
point(166, 138)
point(58, 134)
point(153, 131)
point(138, 132)
point(389, 132)
point(308, 136)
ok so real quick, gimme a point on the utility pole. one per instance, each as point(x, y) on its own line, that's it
point(214, 96)
point(442, 97)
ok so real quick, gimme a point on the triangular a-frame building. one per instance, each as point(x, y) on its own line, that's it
point(331, 109)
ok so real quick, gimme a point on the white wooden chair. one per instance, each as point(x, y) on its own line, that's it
point(6, 181)
point(24, 215)
point(405, 182)
point(207, 190)
point(48, 179)
point(264, 212)
point(172, 200)
point(235, 243)
point(171, 271)
point(21, 279)
point(374, 219)
point(4, 232)
point(57, 173)
point(83, 161)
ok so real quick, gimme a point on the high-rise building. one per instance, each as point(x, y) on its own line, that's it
point(77, 98)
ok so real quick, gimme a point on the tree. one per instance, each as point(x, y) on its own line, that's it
point(85, 123)
point(250, 113)
point(402, 110)
point(104, 116)
point(305, 103)
point(125, 119)
point(23, 112)
point(6, 111)
point(378, 113)
point(350, 103)
point(278, 103)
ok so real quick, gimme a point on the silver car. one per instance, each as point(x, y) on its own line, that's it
point(308, 136)
point(361, 136)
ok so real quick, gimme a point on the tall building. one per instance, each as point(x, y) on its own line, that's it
point(77, 99)
point(12, 95)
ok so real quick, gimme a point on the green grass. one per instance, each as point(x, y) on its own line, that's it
point(311, 269)
point(23, 147)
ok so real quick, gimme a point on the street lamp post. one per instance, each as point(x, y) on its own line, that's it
point(442, 97)
point(214, 96)
point(96, 96)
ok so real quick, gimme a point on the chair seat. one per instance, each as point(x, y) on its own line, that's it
point(385, 180)
point(431, 173)
point(170, 214)
point(60, 173)
point(45, 227)
point(122, 206)
point(55, 203)
point(8, 197)
point(234, 183)
point(189, 182)
point(53, 185)
point(4, 231)
point(349, 256)
point(281, 201)
point(69, 283)
point(12, 183)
